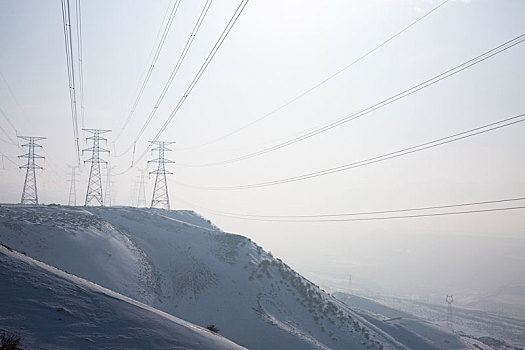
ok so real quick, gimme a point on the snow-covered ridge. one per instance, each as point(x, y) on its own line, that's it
point(180, 263)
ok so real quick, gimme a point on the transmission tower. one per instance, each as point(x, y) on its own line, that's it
point(73, 186)
point(94, 189)
point(160, 191)
point(29, 193)
point(141, 198)
point(109, 186)
point(449, 301)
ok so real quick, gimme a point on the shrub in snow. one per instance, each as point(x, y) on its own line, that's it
point(9, 342)
point(212, 328)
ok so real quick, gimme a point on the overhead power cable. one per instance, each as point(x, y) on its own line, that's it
point(12, 126)
point(319, 84)
point(152, 65)
point(5, 141)
point(152, 53)
point(174, 72)
point(80, 62)
point(66, 18)
point(15, 100)
point(407, 92)
point(201, 71)
point(8, 158)
point(372, 215)
point(9, 137)
point(388, 217)
point(8, 120)
point(402, 152)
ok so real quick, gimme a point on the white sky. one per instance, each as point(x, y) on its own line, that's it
point(277, 50)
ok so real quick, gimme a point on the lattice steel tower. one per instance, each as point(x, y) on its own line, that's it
point(450, 321)
point(109, 185)
point(141, 199)
point(94, 189)
point(30, 193)
point(73, 186)
point(160, 191)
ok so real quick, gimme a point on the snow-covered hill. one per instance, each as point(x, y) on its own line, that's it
point(481, 329)
point(50, 309)
point(509, 299)
point(179, 263)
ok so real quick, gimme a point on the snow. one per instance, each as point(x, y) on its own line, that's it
point(409, 330)
point(180, 263)
point(207, 276)
point(50, 309)
point(509, 299)
point(476, 328)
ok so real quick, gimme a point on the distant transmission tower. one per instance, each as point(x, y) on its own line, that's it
point(449, 301)
point(73, 186)
point(30, 193)
point(133, 192)
point(160, 191)
point(109, 185)
point(94, 189)
point(141, 198)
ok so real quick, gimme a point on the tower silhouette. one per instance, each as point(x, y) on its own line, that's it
point(73, 186)
point(141, 198)
point(94, 189)
point(109, 186)
point(160, 191)
point(449, 300)
point(30, 193)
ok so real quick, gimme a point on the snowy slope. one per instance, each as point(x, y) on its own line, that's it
point(178, 262)
point(509, 299)
point(492, 330)
point(74, 240)
point(411, 331)
point(50, 309)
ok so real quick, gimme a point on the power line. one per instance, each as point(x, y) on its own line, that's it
point(53, 167)
point(172, 75)
point(8, 120)
point(392, 211)
point(152, 65)
point(66, 18)
point(402, 152)
point(322, 82)
point(8, 158)
point(13, 96)
point(80, 60)
point(391, 217)
point(450, 72)
point(9, 137)
point(150, 57)
point(201, 71)
point(345, 216)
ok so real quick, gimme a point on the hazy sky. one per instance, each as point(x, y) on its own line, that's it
point(277, 50)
